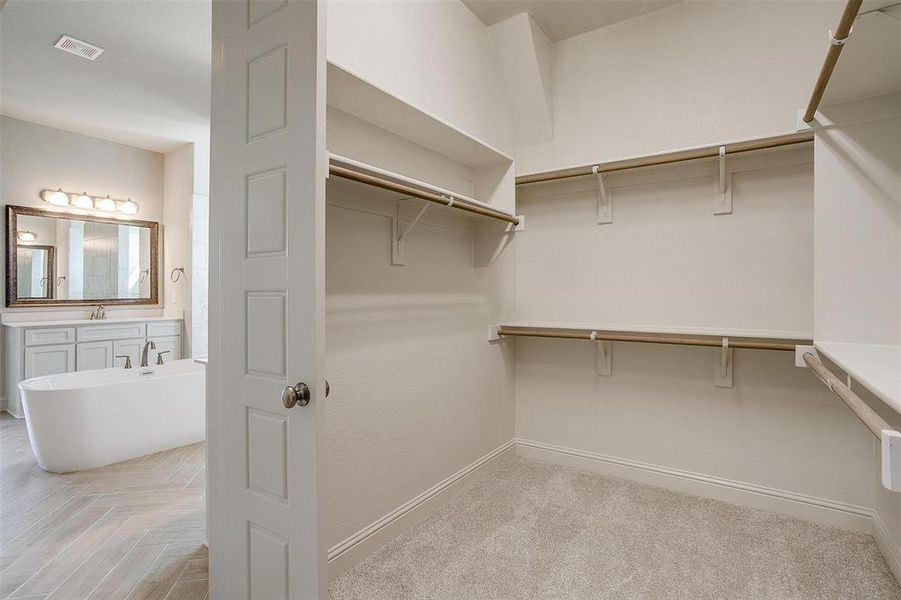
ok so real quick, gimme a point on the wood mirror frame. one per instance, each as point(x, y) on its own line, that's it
point(12, 299)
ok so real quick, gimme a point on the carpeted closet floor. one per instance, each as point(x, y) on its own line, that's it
point(534, 531)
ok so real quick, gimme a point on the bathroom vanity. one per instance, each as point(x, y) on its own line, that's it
point(37, 348)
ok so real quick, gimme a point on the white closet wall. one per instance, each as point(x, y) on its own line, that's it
point(858, 264)
point(418, 393)
point(667, 260)
point(681, 76)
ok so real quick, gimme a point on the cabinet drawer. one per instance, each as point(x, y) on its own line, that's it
point(111, 332)
point(55, 335)
point(163, 329)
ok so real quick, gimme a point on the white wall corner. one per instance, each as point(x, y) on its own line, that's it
point(525, 56)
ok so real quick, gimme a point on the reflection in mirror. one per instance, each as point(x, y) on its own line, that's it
point(74, 259)
point(34, 271)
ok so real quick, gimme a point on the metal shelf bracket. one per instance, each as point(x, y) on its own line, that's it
point(604, 358)
point(722, 203)
point(722, 365)
point(397, 239)
point(605, 201)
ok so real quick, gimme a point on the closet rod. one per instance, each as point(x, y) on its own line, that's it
point(669, 157)
point(646, 339)
point(873, 421)
point(343, 161)
point(838, 40)
point(421, 194)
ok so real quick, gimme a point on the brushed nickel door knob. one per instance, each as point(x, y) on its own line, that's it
point(294, 395)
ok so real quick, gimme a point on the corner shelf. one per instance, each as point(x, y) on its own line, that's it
point(876, 366)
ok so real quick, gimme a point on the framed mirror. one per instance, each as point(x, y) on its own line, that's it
point(61, 259)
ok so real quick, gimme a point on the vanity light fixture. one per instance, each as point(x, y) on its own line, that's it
point(60, 198)
point(106, 204)
point(26, 236)
point(83, 201)
point(57, 198)
point(129, 207)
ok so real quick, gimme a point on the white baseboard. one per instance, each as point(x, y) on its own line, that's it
point(889, 545)
point(810, 508)
point(355, 548)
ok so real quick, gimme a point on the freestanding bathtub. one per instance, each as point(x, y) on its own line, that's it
point(78, 421)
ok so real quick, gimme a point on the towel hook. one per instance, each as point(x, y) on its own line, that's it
point(176, 274)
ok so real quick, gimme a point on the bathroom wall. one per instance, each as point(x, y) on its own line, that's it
point(178, 205)
point(34, 157)
point(694, 73)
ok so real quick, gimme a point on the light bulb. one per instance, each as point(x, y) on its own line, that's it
point(59, 198)
point(27, 236)
point(107, 204)
point(83, 201)
point(129, 207)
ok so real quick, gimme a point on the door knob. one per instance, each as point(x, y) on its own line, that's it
point(296, 394)
point(326, 388)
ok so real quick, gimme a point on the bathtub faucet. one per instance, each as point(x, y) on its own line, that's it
point(150, 345)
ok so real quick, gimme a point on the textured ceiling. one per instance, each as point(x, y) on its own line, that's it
point(563, 19)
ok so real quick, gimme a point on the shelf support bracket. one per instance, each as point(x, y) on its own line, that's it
point(398, 244)
point(604, 355)
point(891, 460)
point(722, 203)
point(722, 366)
point(605, 202)
point(799, 355)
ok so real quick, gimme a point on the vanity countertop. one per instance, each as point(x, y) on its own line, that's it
point(76, 322)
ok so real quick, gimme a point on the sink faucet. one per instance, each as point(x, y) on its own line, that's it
point(150, 345)
point(99, 313)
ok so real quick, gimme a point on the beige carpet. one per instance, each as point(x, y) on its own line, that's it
point(535, 531)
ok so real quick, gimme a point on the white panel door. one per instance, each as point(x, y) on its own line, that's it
point(267, 298)
point(49, 360)
point(94, 355)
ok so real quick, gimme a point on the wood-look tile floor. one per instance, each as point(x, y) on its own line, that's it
point(133, 530)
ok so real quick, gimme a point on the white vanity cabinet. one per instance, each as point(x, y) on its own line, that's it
point(41, 348)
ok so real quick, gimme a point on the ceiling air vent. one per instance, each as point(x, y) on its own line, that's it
point(78, 48)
